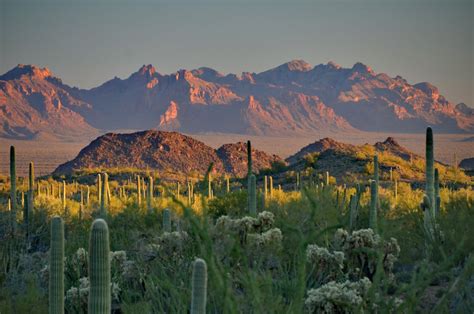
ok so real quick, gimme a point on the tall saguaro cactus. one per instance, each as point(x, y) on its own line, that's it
point(199, 287)
point(376, 169)
point(13, 187)
point(99, 188)
point(56, 267)
point(252, 195)
point(31, 186)
point(271, 186)
point(430, 189)
point(436, 192)
point(166, 220)
point(149, 194)
point(99, 269)
point(104, 198)
point(139, 192)
point(64, 198)
point(373, 205)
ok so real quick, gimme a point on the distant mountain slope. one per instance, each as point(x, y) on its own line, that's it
point(33, 105)
point(291, 99)
point(160, 150)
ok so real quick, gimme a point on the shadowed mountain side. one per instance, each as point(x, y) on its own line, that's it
point(160, 150)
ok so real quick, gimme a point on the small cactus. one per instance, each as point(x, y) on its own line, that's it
point(99, 269)
point(252, 195)
point(56, 267)
point(166, 220)
point(199, 287)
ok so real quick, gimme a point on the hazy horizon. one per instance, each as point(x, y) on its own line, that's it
point(86, 43)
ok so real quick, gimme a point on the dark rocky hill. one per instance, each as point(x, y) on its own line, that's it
point(161, 150)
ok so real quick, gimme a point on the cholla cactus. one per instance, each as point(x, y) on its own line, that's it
point(56, 266)
point(361, 249)
point(199, 287)
point(333, 297)
point(99, 269)
point(324, 264)
point(252, 195)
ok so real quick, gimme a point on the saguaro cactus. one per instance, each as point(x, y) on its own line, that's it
point(376, 169)
point(81, 206)
point(326, 178)
point(265, 187)
point(56, 267)
point(99, 188)
point(31, 186)
point(430, 171)
point(13, 187)
point(166, 220)
point(64, 198)
point(139, 192)
point(99, 269)
point(271, 186)
point(227, 184)
point(373, 205)
point(252, 195)
point(104, 198)
point(149, 194)
point(436, 192)
point(199, 286)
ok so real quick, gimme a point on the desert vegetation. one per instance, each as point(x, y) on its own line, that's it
point(278, 241)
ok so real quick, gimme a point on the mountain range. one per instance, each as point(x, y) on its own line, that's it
point(294, 98)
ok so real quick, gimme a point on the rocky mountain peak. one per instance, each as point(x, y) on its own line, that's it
point(21, 70)
point(361, 68)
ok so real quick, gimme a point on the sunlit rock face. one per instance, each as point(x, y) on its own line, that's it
point(294, 98)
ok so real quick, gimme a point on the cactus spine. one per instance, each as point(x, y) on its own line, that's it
point(13, 187)
point(149, 194)
point(199, 287)
point(99, 269)
point(430, 171)
point(252, 195)
point(166, 220)
point(373, 205)
point(56, 267)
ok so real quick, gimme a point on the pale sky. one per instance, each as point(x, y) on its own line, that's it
point(88, 42)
